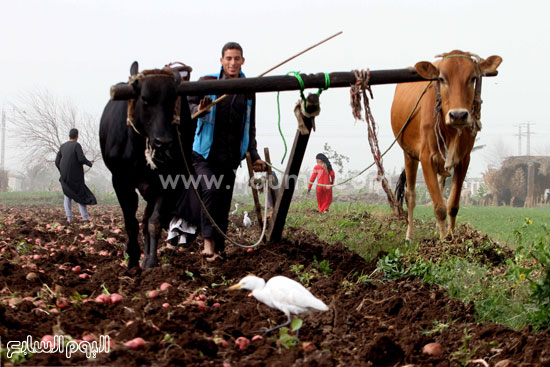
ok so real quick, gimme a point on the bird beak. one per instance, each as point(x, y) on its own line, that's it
point(235, 286)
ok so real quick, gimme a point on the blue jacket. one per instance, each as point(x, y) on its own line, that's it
point(204, 133)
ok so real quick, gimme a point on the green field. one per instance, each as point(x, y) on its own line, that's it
point(499, 223)
point(46, 198)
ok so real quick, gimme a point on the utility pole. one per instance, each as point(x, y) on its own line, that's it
point(3, 140)
point(527, 134)
point(529, 137)
point(519, 140)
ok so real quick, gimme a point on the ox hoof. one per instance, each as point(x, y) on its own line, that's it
point(149, 262)
point(133, 262)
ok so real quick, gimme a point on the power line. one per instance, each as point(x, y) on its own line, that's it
point(527, 134)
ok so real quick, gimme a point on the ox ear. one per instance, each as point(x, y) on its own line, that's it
point(427, 70)
point(134, 68)
point(490, 65)
point(177, 77)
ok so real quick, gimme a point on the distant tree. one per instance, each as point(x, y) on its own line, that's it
point(3, 180)
point(40, 177)
point(41, 123)
point(335, 158)
point(495, 153)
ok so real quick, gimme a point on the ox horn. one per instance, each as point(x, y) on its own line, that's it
point(125, 91)
point(122, 91)
point(177, 76)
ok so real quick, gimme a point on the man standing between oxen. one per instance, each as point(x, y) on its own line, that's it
point(69, 161)
point(225, 132)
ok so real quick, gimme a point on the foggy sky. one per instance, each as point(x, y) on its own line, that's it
point(78, 49)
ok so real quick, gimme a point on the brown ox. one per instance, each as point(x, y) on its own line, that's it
point(445, 145)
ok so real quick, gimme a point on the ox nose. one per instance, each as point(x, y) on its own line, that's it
point(458, 115)
point(162, 143)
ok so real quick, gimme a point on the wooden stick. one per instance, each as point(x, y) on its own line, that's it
point(301, 53)
point(257, 205)
point(221, 98)
point(270, 183)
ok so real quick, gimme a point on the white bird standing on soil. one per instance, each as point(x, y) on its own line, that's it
point(246, 221)
point(236, 208)
point(282, 293)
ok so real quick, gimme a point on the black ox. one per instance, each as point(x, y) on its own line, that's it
point(139, 145)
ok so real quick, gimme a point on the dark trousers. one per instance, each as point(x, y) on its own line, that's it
point(216, 188)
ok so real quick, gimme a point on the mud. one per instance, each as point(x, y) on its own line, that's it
point(369, 322)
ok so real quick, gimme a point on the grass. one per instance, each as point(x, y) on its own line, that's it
point(499, 223)
point(15, 198)
point(30, 198)
point(368, 229)
point(358, 226)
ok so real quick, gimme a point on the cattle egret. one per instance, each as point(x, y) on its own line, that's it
point(282, 293)
point(236, 208)
point(246, 220)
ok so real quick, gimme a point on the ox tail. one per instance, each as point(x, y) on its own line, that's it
point(400, 188)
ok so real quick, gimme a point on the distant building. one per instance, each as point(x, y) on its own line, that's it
point(15, 182)
point(520, 181)
point(472, 185)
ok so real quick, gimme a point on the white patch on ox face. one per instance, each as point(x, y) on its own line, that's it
point(149, 155)
point(459, 118)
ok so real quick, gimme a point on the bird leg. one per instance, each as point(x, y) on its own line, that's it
point(267, 331)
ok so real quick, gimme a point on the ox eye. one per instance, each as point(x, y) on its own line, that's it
point(441, 80)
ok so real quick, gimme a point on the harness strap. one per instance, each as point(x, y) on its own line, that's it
point(437, 126)
point(132, 102)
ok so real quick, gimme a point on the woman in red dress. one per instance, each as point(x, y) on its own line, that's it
point(325, 174)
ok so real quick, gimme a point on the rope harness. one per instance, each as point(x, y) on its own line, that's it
point(437, 126)
point(209, 216)
point(165, 72)
point(383, 154)
point(358, 90)
point(476, 105)
point(296, 74)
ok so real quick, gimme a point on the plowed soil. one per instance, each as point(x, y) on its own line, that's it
point(370, 323)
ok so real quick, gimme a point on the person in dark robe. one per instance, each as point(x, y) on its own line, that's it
point(324, 173)
point(69, 161)
point(225, 132)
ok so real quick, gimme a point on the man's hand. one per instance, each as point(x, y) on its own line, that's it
point(259, 166)
point(204, 105)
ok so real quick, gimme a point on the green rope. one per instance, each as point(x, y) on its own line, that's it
point(383, 154)
point(279, 125)
point(296, 74)
point(327, 84)
point(302, 87)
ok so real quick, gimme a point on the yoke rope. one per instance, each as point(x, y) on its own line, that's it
point(358, 90)
point(296, 74)
point(209, 216)
point(383, 154)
